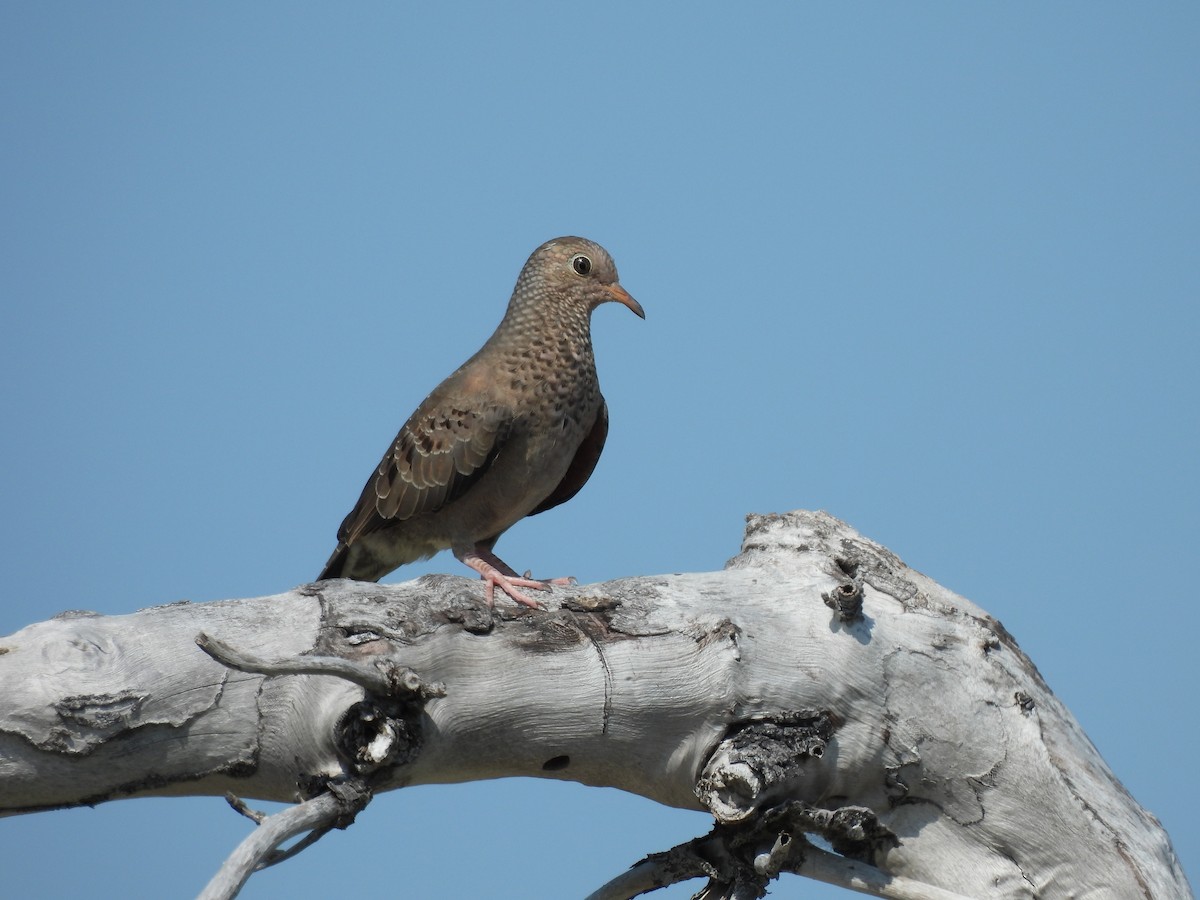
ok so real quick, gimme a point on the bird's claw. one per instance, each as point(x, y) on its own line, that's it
point(498, 574)
point(509, 585)
point(569, 580)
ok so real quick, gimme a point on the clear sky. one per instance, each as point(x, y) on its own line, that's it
point(933, 267)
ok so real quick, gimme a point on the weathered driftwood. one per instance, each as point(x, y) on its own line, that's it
point(814, 686)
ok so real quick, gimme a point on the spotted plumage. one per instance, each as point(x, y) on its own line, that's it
point(514, 431)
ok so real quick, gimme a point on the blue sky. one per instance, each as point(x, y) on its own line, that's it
point(933, 267)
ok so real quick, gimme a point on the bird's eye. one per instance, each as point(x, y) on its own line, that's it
point(581, 264)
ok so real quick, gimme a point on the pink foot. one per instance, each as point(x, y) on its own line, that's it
point(497, 574)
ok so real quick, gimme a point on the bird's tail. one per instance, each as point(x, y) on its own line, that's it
point(336, 565)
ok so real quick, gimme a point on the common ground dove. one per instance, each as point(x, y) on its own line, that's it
point(514, 431)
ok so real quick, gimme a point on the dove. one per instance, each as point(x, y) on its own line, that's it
point(514, 431)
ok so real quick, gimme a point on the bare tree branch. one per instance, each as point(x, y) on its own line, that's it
point(815, 687)
point(318, 816)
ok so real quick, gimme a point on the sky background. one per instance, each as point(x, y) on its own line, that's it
point(932, 267)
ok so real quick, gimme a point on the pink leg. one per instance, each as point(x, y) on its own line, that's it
point(497, 573)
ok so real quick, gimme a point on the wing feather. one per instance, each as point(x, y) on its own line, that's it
point(440, 452)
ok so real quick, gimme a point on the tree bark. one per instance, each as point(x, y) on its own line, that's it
point(815, 686)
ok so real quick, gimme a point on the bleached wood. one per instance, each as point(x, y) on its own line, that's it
point(320, 812)
point(934, 719)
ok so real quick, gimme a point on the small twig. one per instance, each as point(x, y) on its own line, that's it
point(275, 857)
point(648, 875)
point(239, 805)
point(691, 860)
point(334, 809)
point(367, 676)
point(381, 676)
point(681, 863)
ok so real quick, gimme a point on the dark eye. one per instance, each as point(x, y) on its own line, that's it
point(581, 264)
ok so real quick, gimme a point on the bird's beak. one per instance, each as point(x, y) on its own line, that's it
point(623, 297)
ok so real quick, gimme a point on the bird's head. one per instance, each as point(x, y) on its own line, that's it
point(574, 271)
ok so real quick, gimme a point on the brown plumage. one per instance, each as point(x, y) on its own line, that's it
point(514, 431)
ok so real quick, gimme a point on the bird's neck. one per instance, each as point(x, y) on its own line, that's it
point(531, 329)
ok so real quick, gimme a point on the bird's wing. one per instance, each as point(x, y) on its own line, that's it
point(582, 465)
point(439, 453)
